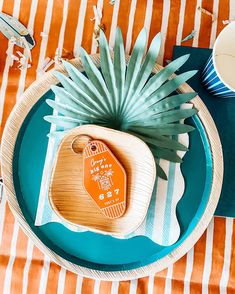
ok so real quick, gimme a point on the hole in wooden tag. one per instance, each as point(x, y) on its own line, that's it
point(79, 143)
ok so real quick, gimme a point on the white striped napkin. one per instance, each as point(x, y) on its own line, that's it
point(160, 224)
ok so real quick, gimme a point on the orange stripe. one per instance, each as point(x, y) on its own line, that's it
point(87, 286)
point(198, 265)
point(71, 24)
point(217, 254)
point(231, 281)
point(178, 275)
point(5, 248)
point(142, 286)
point(160, 281)
point(105, 287)
point(124, 287)
point(38, 28)
point(156, 20)
point(107, 16)
point(56, 22)
point(35, 270)
point(223, 14)
point(138, 20)
point(70, 283)
point(8, 7)
point(172, 29)
point(206, 25)
point(123, 14)
point(53, 276)
point(189, 15)
point(18, 267)
point(88, 27)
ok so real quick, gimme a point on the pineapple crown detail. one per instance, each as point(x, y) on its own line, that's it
point(126, 96)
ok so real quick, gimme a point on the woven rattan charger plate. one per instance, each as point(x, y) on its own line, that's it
point(15, 121)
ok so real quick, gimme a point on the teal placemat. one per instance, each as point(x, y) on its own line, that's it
point(223, 113)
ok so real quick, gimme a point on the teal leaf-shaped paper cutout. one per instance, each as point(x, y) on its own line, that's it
point(127, 96)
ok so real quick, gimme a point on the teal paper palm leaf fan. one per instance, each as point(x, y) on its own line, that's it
point(126, 96)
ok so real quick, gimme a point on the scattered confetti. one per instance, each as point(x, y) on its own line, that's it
point(27, 49)
point(14, 57)
point(227, 21)
point(48, 65)
point(97, 32)
point(203, 10)
point(57, 60)
point(20, 58)
point(58, 57)
point(45, 65)
point(190, 36)
point(98, 24)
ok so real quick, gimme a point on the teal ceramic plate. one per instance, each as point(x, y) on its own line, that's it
point(95, 250)
point(104, 255)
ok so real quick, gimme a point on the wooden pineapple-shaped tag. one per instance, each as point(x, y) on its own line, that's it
point(104, 179)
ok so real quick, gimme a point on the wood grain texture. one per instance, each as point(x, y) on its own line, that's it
point(16, 118)
point(70, 200)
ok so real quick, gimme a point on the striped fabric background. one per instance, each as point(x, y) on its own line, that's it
point(210, 266)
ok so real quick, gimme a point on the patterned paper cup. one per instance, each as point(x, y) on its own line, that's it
point(219, 74)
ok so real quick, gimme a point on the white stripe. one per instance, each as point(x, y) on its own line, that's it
point(44, 275)
point(164, 27)
point(16, 11)
point(94, 45)
point(208, 257)
point(227, 256)
point(197, 23)
point(232, 9)
point(160, 204)
point(62, 28)
point(181, 22)
point(133, 286)
point(168, 279)
point(1, 4)
point(61, 281)
point(214, 23)
point(114, 288)
point(151, 284)
point(148, 17)
point(130, 26)
point(27, 266)
point(2, 215)
point(46, 29)
point(177, 193)
point(114, 24)
point(33, 10)
point(79, 285)
point(7, 283)
point(97, 287)
point(79, 29)
point(188, 271)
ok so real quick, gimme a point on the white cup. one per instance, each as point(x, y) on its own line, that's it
point(219, 73)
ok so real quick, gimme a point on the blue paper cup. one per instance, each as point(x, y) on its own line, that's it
point(218, 76)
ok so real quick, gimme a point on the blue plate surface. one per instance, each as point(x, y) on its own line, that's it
point(93, 250)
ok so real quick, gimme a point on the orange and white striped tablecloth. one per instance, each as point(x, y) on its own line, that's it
point(209, 267)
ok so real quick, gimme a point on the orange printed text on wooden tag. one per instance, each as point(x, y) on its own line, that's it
point(104, 179)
